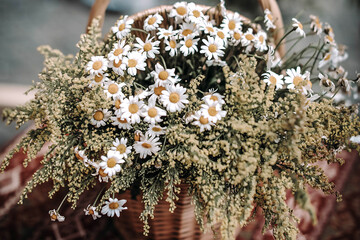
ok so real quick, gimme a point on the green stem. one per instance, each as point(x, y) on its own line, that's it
point(279, 43)
point(139, 30)
point(312, 68)
point(163, 61)
point(97, 197)
point(308, 61)
point(62, 202)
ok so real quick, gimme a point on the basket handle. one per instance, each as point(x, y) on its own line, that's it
point(99, 8)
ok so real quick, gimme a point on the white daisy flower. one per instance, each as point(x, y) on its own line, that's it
point(195, 13)
point(207, 27)
point(54, 215)
point(119, 50)
point(100, 117)
point(147, 146)
point(329, 40)
point(121, 148)
point(111, 163)
point(100, 79)
point(118, 67)
point(202, 122)
point(117, 102)
point(232, 22)
point(307, 89)
point(316, 25)
point(134, 61)
point(223, 35)
point(174, 98)
point(166, 33)
point(214, 96)
point(213, 48)
point(212, 111)
point(260, 41)
point(325, 83)
point(91, 210)
point(151, 113)
point(189, 45)
point(298, 27)
point(235, 38)
point(271, 78)
point(155, 130)
point(103, 177)
point(149, 47)
point(131, 109)
point(247, 38)
point(180, 11)
point(152, 22)
point(188, 29)
point(97, 65)
point(328, 30)
point(121, 122)
point(142, 94)
point(330, 57)
point(113, 207)
point(163, 76)
point(295, 77)
point(80, 155)
point(113, 89)
point(355, 139)
point(122, 27)
point(156, 89)
point(138, 136)
point(269, 20)
point(172, 46)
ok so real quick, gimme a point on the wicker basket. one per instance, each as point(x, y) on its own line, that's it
point(181, 224)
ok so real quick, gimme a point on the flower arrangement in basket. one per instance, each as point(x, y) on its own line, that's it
point(193, 95)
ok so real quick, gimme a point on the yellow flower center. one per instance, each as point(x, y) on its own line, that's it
point(237, 36)
point(220, 34)
point(113, 205)
point(158, 90)
point(137, 137)
point(270, 16)
point(133, 108)
point(152, 20)
point(272, 80)
point(249, 37)
point(146, 145)
point(117, 64)
point(53, 216)
point(214, 98)
point(91, 212)
point(132, 63)
point(122, 27)
point(212, 48)
point(174, 97)
point(113, 88)
point(327, 57)
point(188, 43)
point(122, 120)
point(212, 111)
point(172, 44)
point(156, 129)
point(98, 116)
point(118, 51)
point(102, 173)
point(111, 162)
point(297, 80)
point(167, 34)
point(329, 38)
point(232, 25)
point(186, 32)
point(300, 25)
point(181, 10)
point(97, 65)
point(98, 78)
point(196, 13)
point(152, 112)
point(117, 103)
point(203, 120)
point(147, 47)
point(163, 75)
point(210, 29)
point(261, 38)
point(121, 148)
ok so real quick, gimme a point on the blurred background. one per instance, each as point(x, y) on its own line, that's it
point(25, 25)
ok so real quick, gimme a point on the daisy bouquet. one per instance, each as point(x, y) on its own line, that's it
point(181, 96)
